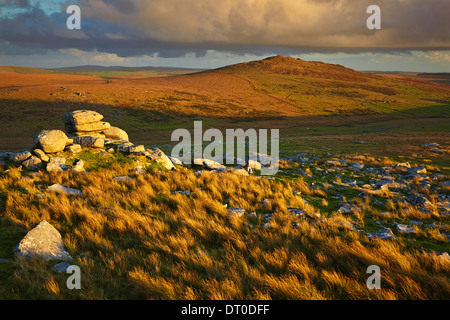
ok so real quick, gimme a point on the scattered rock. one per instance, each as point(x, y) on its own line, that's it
point(419, 200)
point(444, 257)
point(341, 223)
point(386, 184)
point(176, 161)
point(58, 188)
point(267, 225)
point(43, 241)
point(384, 234)
point(55, 164)
point(207, 164)
point(333, 163)
point(433, 144)
point(41, 155)
point(356, 165)
point(241, 172)
point(235, 212)
point(297, 212)
point(254, 165)
point(32, 163)
point(417, 170)
point(252, 216)
point(348, 209)
point(79, 166)
point(20, 156)
point(402, 165)
point(211, 165)
point(405, 229)
point(185, 192)
point(124, 179)
point(160, 157)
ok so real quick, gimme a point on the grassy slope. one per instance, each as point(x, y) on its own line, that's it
point(137, 240)
point(318, 88)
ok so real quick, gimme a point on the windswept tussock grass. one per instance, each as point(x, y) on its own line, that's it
point(139, 240)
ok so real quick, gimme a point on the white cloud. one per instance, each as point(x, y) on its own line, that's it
point(94, 56)
point(436, 56)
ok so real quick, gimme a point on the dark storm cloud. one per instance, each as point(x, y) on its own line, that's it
point(173, 28)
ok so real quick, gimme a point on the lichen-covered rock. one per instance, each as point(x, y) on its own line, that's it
point(348, 209)
point(89, 141)
point(240, 172)
point(41, 155)
point(176, 161)
point(44, 241)
point(235, 212)
point(252, 164)
point(51, 141)
point(160, 157)
point(79, 166)
point(74, 148)
point(405, 229)
point(55, 164)
point(417, 170)
point(58, 188)
point(20, 156)
point(208, 164)
point(136, 148)
point(383, 234)
point(33, 163)
point(115, 133)
point(88, 127)
point(124, 179)
point(80, 117)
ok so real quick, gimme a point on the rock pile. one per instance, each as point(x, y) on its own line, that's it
point(85, 123)
point(86, 128)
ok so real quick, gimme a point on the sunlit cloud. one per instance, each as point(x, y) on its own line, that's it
point(127, 31)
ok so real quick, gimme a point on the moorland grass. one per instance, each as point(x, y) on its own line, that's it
point(138, 240)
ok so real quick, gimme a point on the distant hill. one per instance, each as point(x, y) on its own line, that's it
point(296, 67)
point(313, 87)
point(102, 71)
point(94, 68)
point(273, 87)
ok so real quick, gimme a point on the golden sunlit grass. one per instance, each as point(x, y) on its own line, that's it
point(138, 240)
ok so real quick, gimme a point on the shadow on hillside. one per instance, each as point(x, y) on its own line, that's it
point(21, 120)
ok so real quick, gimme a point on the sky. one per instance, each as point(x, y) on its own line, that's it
point(414, 34)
